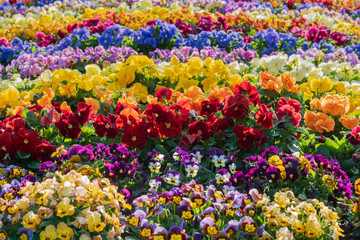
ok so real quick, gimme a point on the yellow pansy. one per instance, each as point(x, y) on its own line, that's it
point(49, 233)
point(64, 232)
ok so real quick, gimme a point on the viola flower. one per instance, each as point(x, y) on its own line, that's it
point(106, 126)
point(163, 93)
point(64, 232)
point(197, 199)
point(176, 233)
point(264, 117)
point(273, 173)
point(210, 212)
point(146, 230)
point(200, 129)
point(26, 234)
point(185, 212)
point(192, 169)
point(43, 151)
point(248, 225)
point(291, 112)
point(291, 173)
point(209, 107)
point(160, 233)
point(6, 144)
point(47, 167)
point(250, 91)
point(232, 228)
point(209, 227)
point(237, 178)
point(222, 176)
point(135, 136)
point(83, 112)
point(197, 153)
point(219, 125)
point(31, 220)
point(136, 218)
point(69, 126)
point(173, 177)
point(49, 233)
point(26, 141)
point(154, 165)
point(219, 161)
point(235, 106)
point(248, 136)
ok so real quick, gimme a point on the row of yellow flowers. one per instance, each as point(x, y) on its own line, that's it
point(194, 81)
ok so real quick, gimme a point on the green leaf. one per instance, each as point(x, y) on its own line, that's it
point(34, 165)
point(252, 32)
point(48, 223)
point(356, 113)
point(323, 150)
point(331, 143)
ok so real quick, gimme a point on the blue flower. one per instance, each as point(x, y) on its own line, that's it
point(150, 41)
point(272, 39)
point(105, 40)
point(82, 33)
point(328, 48)
point(65, 43)
point(305, 46)
point(222, 38)
point(5, 55)
point(288, 49)
point(203, 43)
point(267, 51)
point(138, 38)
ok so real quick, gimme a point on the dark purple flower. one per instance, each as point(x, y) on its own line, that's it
point(273, 173)
point(292, 173)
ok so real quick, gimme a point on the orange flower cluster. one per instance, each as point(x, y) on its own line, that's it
point(319, 122)
point(284, 81)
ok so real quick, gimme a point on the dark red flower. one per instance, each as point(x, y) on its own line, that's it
point(135, 136)
point(6, 144)
point(182, 109)
point(106, 126)
point(14, 125)
point(163, 93)
point(83, 112)
point(219, 125)
point(171, 127)
point(292, 102)
point(236, 106)
point(69, 126)
point(264, 117)
point(43, 150)
point(248, 136)
point(250, 91)
point(156, 112)
point(26, 141)
point(209, 107)
point(200, 129)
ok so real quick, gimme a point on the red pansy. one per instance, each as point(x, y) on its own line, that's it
point(236, 106)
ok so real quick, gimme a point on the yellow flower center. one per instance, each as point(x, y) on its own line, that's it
point(26, 141)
